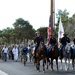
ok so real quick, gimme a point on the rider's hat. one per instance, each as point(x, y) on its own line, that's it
point(65, 34)
point(37, 32)
point(52, 35)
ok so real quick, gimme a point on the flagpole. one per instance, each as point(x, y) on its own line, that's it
point(52, 14)
point(50, 29)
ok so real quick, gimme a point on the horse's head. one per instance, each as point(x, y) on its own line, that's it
point(54, 47)
point(39, 49)
point(40, 46)
point(68, 48)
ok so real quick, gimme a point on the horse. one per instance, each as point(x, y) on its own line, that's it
point(40, 55)
point(66, 54)
point(73, 55)
point(54, 54)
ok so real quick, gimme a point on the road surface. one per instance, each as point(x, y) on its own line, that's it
point(17, 68)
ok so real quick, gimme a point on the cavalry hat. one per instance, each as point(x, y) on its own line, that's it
point(37, 32)
point(65, 34)
point(52, 35)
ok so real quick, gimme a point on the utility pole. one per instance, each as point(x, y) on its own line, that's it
point(52, 14)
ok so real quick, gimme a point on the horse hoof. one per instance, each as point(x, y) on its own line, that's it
point(51, 69)
point(43, 71)
point(72, 68)
point(56, 69)
point(38, 71)
point(66, 69)
point(47, 67)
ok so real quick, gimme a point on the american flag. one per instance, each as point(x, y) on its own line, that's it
point(49, 30)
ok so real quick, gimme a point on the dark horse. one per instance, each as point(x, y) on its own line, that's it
point(73, 55)
point(54, 54)
point(40, 55)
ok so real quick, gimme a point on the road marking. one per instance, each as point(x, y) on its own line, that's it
point(3, 73)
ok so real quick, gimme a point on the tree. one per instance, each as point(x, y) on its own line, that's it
point(23, 29)
point(43, 31)
point(6, 34)
point(65, 19)
point(68, 23)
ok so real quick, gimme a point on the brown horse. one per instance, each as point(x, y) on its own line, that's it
point(54, 54)
point(40, 55)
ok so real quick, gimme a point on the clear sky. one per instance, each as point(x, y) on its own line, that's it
point(35, 11)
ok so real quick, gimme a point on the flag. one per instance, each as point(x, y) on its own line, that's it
point(49, 30)
point(60, 30)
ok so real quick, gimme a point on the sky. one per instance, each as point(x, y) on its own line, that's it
point(35, 11)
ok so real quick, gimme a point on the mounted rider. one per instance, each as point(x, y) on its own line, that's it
point(64, 40)
point(37, 41)
point(52, 42)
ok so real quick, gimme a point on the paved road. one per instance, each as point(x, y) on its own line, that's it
point(17, 68)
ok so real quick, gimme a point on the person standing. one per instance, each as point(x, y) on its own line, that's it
point(5, 52)
point(15, 53)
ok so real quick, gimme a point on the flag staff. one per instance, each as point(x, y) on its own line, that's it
point(50, 29)
point(52, 14)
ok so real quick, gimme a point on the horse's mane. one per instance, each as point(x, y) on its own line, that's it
point(40, 51)
point(68, 46)
point(54, 51)
point(55, 47)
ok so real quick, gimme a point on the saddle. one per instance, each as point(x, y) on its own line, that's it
point(50, 48)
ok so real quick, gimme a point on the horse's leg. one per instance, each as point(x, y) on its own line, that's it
point(61, 64)
point(47, 64)
point(43, 65)
point(61, 61)
point(68, 62)
point(57, 63)
point(39, 66)
point(36, 65)
point(65, 63)
point(73, 63)
point(30, 57)
point(68, 58)
point(52, 64)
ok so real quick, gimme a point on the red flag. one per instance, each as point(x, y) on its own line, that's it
point(49, 30)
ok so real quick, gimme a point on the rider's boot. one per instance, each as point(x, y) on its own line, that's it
point(48, 59)
point(34, 56)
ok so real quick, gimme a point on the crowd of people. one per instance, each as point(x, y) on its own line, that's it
point(13, 52)
point(38, 38)
point(5, 52)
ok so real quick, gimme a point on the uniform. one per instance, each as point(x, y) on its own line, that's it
point(52, 42)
